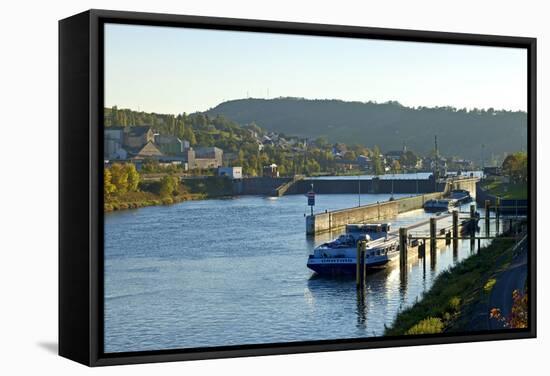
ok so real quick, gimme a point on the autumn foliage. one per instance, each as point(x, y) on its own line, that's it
point(518, 318)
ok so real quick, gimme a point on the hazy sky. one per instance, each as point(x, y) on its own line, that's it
point(175, 70)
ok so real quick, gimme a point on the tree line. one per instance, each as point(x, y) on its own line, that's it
point(119, 179)
point(242, 144)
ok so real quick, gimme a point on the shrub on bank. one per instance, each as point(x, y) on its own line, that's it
point(431, 325)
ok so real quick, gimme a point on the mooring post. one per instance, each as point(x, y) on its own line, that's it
point(433, 240)
point(403, 247)
point(363, 264)
point(422, 249)
point(472, 225)
point(455, 229)
point(497, 214)
point(487, 216)
point(358, 265)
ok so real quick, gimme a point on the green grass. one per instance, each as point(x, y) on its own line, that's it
point(511, 191)
point(452, 291)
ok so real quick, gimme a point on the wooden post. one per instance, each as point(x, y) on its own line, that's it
point(422, 249)
point(472, 224)
point(358, 265)
point(497, 214)
point(433, 233)
point(363, 264)
point(448, 238)
point(455, 229)
point(403, 247)
point(433, 240)
point(487, 216)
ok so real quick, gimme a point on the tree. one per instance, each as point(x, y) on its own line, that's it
point(408, 159)
point(133, 177)
point(395, 167)
point(168, 186)
point(377, 161)
point(119, 177)
point(321, 142)
point(108, 186)
point(189, 135)
point(350, 155)
point(515, 166)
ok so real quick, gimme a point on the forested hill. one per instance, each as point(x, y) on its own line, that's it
point(389, 125)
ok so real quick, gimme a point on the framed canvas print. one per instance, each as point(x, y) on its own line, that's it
point(234, 187)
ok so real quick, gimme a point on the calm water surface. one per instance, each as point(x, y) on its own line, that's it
point(233, 271)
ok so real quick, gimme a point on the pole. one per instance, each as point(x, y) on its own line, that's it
point(455, 234)
point(358, 265)
point(359, 184)
point(472, 225)
point(497, 213)
point(433, 241)
point(487, 216)
point(363, 265)
point(422, 249)
point(403, 247)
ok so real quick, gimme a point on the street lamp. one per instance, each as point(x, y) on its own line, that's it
point(359, 187)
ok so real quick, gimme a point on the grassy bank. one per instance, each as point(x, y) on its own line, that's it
point(454, 292)
point(507, 191)
point(148, 195)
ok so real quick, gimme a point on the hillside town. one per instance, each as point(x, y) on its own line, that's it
point(142, 144)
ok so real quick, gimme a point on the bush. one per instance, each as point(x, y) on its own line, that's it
point(431, 325)
point(167, 201)
point(454, 304)
point(489, 285)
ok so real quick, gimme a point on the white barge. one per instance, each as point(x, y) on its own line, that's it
point(339, 256)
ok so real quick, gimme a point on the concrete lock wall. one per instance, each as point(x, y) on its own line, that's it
point(322, 222)
point(258, 185)
point(340, 186)
point(469, 184)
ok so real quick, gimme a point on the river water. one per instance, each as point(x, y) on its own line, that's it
point(233, 272)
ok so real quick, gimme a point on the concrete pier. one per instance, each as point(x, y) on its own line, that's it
point(334, 220)
point(322, 222)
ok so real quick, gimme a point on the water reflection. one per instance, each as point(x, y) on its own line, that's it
point(230, 272)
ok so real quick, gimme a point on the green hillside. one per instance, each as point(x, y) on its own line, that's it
point(390, 125)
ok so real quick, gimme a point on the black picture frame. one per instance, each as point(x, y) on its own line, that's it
point(80, 179)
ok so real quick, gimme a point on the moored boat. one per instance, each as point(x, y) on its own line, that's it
point(440, 205)
point(339, 256)
point(461, 196)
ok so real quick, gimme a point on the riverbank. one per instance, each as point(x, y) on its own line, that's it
point(149, 195)
point(457, 294)
point(506, 191)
